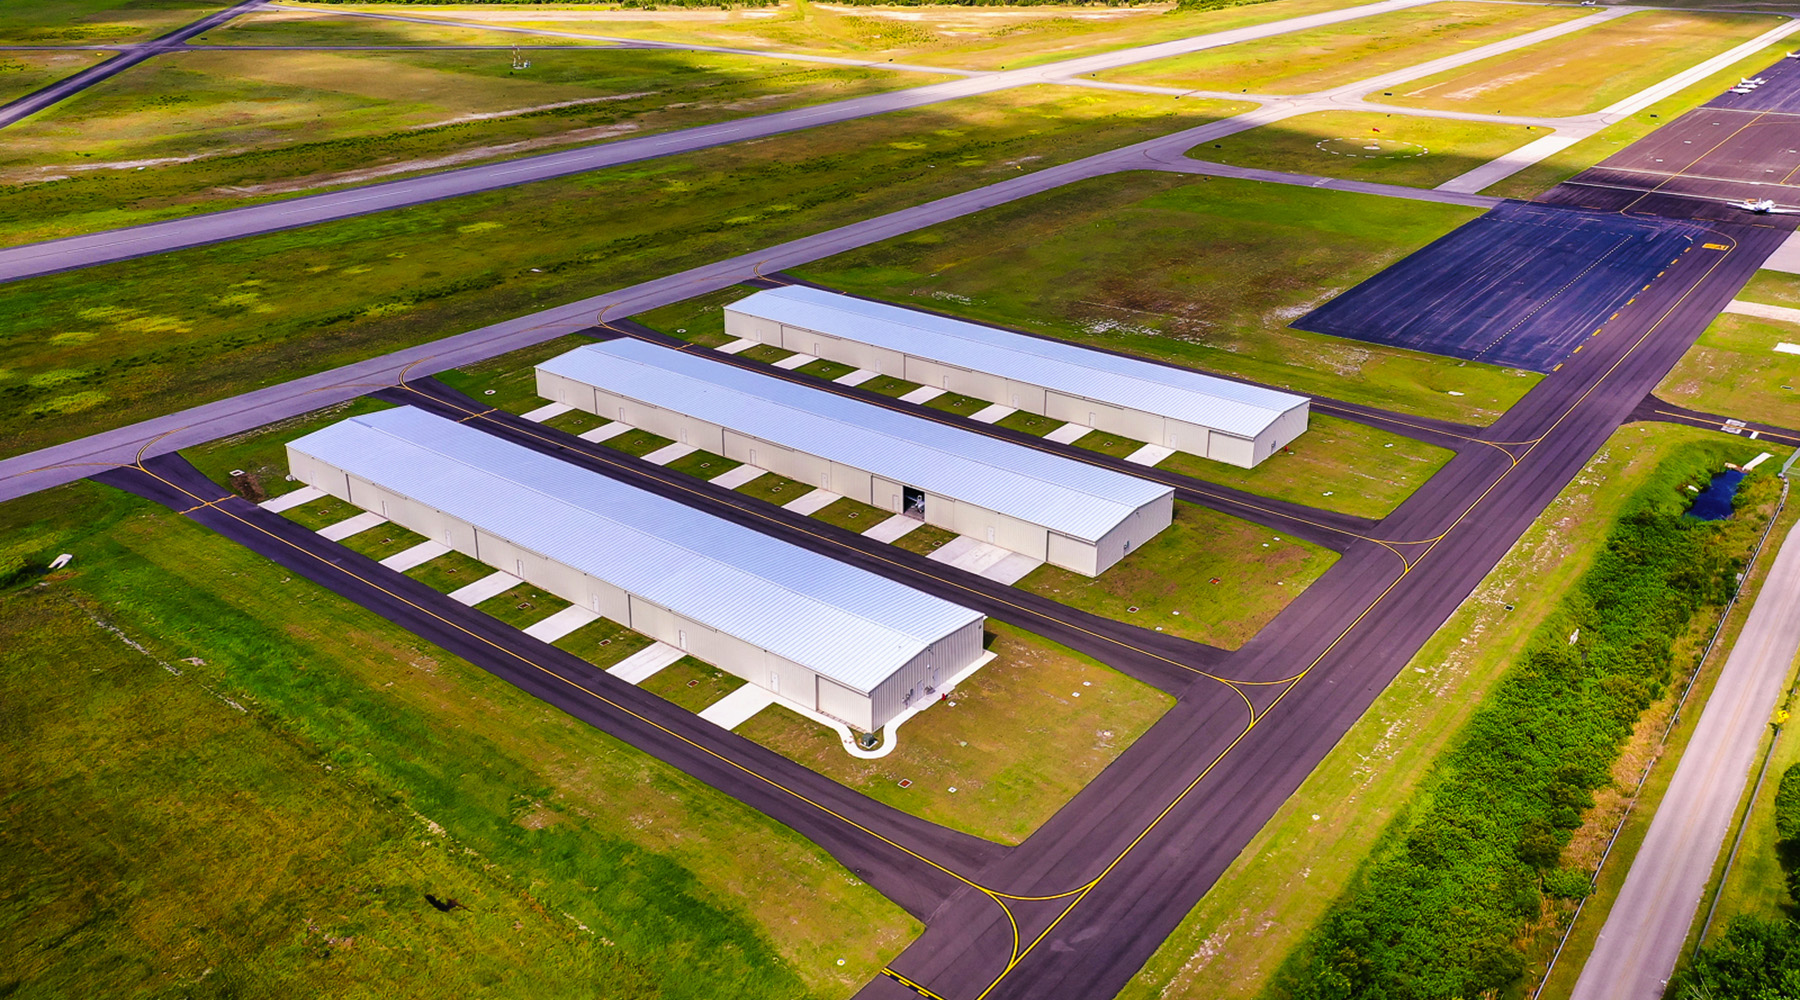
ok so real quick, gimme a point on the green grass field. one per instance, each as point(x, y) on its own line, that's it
point(222, 128)
point(1206, 273)
point(23, 72)
point(702, 464)
point(691, 684)
point(852, 515)
point(509, 381)
point(1413, 152)
point(108, 345)
point(1024, 734)
point(450, 572)
point(254, 464)
point(972, 37)
point(82, 22)
point(522, 606)
point(382, 541)
point(603, 642)
point(776, 489)
point(1540, 177)
point(249, 785)
point(1289, 874)
point(1588, 70)
point(1308, 61)
point(1734, 370)
point(1337, 464)
point(1168, 583)
point(925, 539)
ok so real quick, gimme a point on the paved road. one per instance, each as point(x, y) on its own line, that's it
point(64, 463)
point(1654, 408)
point(32, 103)
point(1648, 924)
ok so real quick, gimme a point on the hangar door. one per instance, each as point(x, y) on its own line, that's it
point(840, 702)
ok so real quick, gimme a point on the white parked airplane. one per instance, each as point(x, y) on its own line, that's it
point(1764, 206)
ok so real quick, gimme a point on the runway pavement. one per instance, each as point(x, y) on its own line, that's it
point(1075, 910)
point(47, 467)
point(198, 230)
point(1734, 147)
point(1648, 924)
point(129, 56)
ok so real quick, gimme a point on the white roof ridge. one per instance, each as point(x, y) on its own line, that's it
point(1040, 346)
point(713, 560)
point(704, 386)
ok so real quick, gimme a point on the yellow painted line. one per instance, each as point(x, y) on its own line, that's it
point(1557, 368)
point(909, 984)
point(1716, 246)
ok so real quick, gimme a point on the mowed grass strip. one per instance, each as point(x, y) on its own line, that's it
point(603, 642)
point(1337, 464)
point(1207, 577)
point(1308, 61)
point(222, 129)
point(1534, 180)
point(83, 22)
point(984, 37)
point(267, 779)
point(1206, 273)
point(1283, 881)
point(1735, 370)
point(691, 684)
point(1026, 733)
point(23, 72)
point(254, 464)
point(1586, 71)
point(1370, 146)
point(509, 381)
point(168, 332)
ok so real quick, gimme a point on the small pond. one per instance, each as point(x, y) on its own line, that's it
point(1714, 502)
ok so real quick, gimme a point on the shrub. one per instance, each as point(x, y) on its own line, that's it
point(1441, 908)
point(1754, 960)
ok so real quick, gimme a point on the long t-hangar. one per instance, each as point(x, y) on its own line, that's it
point(1183, 410)
point(850, 644)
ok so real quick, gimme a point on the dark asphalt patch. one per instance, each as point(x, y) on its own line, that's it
point(1523, 286)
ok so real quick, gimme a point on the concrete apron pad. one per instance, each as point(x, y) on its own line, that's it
point(418, 555)
point(1779, 313)
point(737, 477)
point(1149, 454)
point(736, 708)
point(922, 394)
point(560, 624)
point(547, 411)
point(356, 525)
point(605, 431)
point(857, 377)
point(493, 585)
point(1068, 433)
point(817, 500)
point(992, 413)
point(741, 344)
point(985, 559)
point(288, 501)
point(796, 361)
point(643, 664)
point(893, 528)
point(669, 453)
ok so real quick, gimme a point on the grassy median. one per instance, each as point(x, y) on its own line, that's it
point(1002, 753)
point(96, 348)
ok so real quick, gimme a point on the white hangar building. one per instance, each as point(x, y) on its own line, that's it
point(853, 645)
point(1050, 508)
point(1211, 417)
